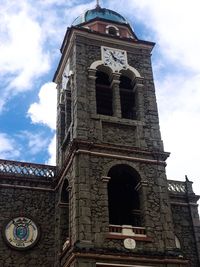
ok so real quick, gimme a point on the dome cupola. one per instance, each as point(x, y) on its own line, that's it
point(105, 21)
point(99, 13)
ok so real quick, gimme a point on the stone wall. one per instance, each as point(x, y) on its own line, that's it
point(20, 199)
point(184, 232)
point(146, 135)
point(87, 124)
point(90, 219)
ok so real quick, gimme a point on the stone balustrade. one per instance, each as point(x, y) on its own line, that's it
point(16, 168)
point(177, 187)
point(127, 230)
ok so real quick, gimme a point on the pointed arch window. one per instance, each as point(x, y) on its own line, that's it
point(64, 213)
point(123, 196)
point(127, 98)
point(104, 96)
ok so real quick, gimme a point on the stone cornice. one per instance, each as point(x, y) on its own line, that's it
point(73, 32)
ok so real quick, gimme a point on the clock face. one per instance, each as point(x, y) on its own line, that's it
point(114, 58)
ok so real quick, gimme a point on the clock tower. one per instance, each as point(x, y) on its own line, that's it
point(115, 204)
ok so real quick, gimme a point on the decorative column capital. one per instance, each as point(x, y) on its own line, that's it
point(115, 78)
point(92, 73)
point(138, 81)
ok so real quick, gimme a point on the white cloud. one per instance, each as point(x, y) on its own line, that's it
point(30, 34)
point(52, 151)
point(22, 55)
point(8, 147)
point(173, 24)
point(21, 48)
point(36, 142)
point(44, 111)
point(180, 113)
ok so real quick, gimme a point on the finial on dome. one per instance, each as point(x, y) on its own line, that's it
point(98, 5)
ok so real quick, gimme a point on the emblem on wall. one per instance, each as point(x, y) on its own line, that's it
point(21, 233)
point(129, 243)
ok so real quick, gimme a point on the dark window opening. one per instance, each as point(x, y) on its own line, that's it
point(103, 94)
point(64, 193)
point(127, 98)
point(64, 214)
point(112, 31)
point(68, 109)
point(124, 203)
point(102, 78)
point(61, 122)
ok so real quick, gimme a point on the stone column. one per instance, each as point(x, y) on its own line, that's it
point(116, 95)
point(138, 89)
point(104, 221)
point(92, 91)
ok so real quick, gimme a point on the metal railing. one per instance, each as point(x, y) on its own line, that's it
point(16, 168)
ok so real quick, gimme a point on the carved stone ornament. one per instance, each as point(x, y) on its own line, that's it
point(21, 233)
point(129, 243)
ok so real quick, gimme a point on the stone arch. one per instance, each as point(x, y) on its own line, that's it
point(95, 64)
point(131, 164)
point(130, 72)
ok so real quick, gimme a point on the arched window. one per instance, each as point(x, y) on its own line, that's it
point(64, 213)
point(103, 94)
point(127, 98)
point(123, 196)
point(112, 30)
point(68, 107)
point(64, 193)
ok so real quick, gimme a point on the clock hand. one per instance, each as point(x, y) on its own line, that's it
point(121, 61)
point(115, 59)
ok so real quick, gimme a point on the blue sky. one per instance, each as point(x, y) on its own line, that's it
point(31, 33)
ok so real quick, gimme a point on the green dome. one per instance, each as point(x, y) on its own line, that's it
point(101, 13)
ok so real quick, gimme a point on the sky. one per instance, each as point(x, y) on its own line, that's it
point(31, 33)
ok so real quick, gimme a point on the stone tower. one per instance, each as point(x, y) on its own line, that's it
point(109, 149)
point(107, 202)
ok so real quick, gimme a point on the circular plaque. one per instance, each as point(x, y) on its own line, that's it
point(21, 233)
point(129, 243)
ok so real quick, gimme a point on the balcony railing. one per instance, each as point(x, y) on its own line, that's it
point(16, 168)
point(127, 230)
point(177, 187)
